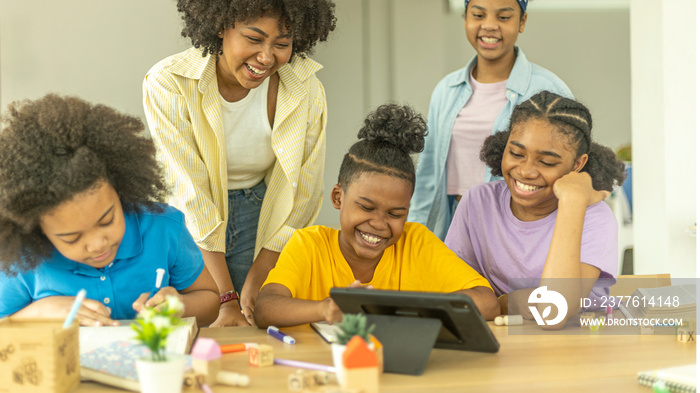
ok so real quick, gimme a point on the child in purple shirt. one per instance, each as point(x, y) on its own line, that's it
point(545, 224)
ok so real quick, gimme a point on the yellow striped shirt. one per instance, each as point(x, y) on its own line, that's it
point(181, 101)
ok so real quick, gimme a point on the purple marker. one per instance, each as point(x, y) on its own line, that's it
point(306, 365)
point(276, 333)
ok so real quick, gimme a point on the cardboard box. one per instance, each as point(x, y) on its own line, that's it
point(38, 355)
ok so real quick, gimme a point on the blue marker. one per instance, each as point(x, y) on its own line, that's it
point(74, 309)
point(275, 332)
point(159, 281)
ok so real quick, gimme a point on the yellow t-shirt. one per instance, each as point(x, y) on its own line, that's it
point(311, 264)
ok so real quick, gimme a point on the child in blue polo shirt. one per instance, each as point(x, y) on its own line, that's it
point(79, 208)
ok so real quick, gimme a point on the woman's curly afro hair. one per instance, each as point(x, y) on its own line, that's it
point(55, 148)
point(310, 21)
point(574, 121)
point(389, 135)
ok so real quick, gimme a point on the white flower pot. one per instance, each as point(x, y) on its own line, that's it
point(161, 377)
point(337, 350)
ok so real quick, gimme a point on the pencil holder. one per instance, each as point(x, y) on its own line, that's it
point(38, 355)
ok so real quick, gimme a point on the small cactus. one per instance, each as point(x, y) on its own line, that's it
point(353, 325)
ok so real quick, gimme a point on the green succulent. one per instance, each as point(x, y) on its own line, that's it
point(353, 325)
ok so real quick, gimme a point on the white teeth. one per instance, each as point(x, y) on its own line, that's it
point(490, 40)
point(255, 70)
point(526, 187)
point(370, 238)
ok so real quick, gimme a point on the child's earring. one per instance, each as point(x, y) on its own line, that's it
point(221, 34)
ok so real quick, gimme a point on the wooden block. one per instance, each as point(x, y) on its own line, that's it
point(301, 380)
point(189, 380)
point(324, 378)
point(295, 381)
point(208, 369)
point(646, 329)
point(38, 355)
point(365, 379)
point(685, 335)
point(587, 316)
point(260, 356)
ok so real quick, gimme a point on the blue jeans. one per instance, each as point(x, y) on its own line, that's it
point(243, 215)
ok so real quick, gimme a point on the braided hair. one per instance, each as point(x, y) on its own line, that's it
point(389, 135)
point(572, 120)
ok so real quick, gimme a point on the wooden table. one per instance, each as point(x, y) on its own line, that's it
point(541, 362)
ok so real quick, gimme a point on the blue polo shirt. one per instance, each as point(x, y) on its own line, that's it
point(151, 241)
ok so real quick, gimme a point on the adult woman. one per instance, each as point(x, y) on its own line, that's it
point(239, 123)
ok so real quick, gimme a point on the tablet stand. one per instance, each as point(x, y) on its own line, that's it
point(407, 341)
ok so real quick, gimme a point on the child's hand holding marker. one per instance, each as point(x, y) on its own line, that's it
point(90, 313)
point(157, 295)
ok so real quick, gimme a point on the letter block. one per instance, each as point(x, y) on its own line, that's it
point(685, 335)
point(260, 356)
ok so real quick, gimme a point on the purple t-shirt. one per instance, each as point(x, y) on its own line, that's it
point(486, 234)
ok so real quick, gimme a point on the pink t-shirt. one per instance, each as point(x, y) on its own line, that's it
point(511, 253)
point(473, 124)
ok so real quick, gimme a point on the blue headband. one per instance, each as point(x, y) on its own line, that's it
point(523, 4)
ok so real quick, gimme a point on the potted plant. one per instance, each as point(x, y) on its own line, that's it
point(159, 372)
point(351, 326)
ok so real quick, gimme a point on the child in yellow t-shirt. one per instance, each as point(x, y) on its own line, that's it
point(375, 246)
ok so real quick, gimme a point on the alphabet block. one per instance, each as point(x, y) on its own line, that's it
point(260, 356)
point(685, 335)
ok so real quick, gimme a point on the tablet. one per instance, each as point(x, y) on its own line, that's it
point(463, 327)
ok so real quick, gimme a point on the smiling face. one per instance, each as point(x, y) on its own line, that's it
point(88, 228)
point(537, 154)
point(252, 51)
point(373, 211)
point(492, 27)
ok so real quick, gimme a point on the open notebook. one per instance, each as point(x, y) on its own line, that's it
point(179, 341)
point(325, 330)
point(108, 353)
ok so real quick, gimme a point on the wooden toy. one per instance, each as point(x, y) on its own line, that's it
point(232, 379)
point(260, 356)
point(587, 316)
point(360, 367)
point(685, 335)
point(301, 380)
point(508, 320)
point(206, 359)
point(191, 380)
point(38, 355)
point(646, 329)
point(324, 378)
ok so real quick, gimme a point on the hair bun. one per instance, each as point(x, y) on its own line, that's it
point(398, 125)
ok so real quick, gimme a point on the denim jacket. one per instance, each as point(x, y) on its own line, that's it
point(429, 204)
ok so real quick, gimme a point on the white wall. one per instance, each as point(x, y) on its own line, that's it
point(96, 49)
point(397, 50)
point(664, 135)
